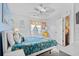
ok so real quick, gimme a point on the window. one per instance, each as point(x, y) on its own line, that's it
point(35, 27)
point(39, 28)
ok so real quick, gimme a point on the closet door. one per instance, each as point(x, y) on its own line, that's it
point(60, 31)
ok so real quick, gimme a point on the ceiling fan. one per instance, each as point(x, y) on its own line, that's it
point(42, 11)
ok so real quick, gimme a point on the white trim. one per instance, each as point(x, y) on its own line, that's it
point(42, 51)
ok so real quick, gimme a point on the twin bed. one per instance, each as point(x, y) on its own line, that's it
point(34, 44)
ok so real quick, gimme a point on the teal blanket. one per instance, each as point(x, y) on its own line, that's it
point(33, 45)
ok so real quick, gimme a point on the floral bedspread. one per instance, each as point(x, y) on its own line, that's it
point(34, 45)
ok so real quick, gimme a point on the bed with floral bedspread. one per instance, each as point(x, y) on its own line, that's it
point(34, 44)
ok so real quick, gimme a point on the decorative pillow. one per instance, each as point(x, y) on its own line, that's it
point(10, 38)
point(17, 37)
point(45, 34)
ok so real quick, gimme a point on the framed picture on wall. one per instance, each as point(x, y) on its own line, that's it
point(77, 18)
point(6, 14)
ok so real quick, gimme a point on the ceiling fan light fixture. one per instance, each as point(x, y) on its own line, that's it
point(42, 11)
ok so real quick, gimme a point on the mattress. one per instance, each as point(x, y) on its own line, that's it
point(32, 45)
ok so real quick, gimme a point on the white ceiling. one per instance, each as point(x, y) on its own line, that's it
point(25, 9)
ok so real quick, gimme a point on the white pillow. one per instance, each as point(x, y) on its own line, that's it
point(10, 38)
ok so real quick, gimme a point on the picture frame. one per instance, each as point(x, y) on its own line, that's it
point(77, 18)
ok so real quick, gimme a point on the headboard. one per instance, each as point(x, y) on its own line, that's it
point(6, 44)
point(4, 40)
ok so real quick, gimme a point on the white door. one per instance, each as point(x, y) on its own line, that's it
point(60, 30)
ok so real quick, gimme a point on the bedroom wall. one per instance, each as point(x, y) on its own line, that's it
point(76, 5)
point(23, 12)
point(1, 25)
point(61, 12)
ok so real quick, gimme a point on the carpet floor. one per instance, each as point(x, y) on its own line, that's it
point(54, 54)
